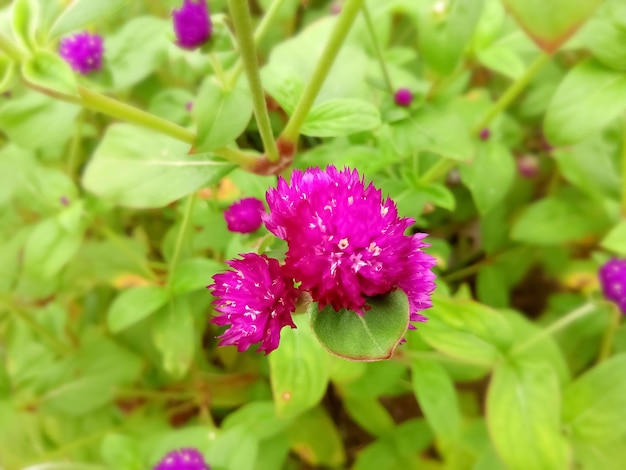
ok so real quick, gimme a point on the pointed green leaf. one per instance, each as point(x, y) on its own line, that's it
point(133, 305)
point(25, 20)
point(587, 100)
point(372, 336)
point(48, 71)
point(82, 12)
point(156, 169)
point(299, 370)
point(315, 438)
point(523, 416)
point(175, 337)
point(551, 23)
point(340, 117)
point(7, 73)
point(222, 115)
point(616, 239)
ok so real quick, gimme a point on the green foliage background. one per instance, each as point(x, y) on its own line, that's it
point(110, 229)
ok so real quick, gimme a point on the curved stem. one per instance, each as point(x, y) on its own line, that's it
point(624, 172)
point(340, 31)
point(377, 49)
point(561, 323)
point(240, 15)
point(606, 347)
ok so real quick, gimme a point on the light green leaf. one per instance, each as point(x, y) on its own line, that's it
point(369, 414)
point(82, 12)
point(133, 305)
point(174, 336)
point(437, 398)
point(372, 336)
point(156, 168)
point(298, 370)
point(314, 437)
point(342, 116)
point(466, 330)
point(25, 20)
point(121, 452)
point(588, 99)
point(7, 73)
point(615, 240)
point(48, 71)
point(235, 448)
point(605, 36)
point(523, 416)
point(194, 274)
point(551, 23)
point(222, 115)
point(259, 418)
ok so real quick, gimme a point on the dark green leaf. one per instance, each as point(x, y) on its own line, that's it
point(175, 337)
point(371, 336)
point(48, 71)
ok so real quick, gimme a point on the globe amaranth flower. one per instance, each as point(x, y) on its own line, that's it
point(244, 216)
point(403, 97)
point(192, 24)
point(83, 51)
point(183, 459)
point(346, 242)
point(613, 281)
point(255, 300)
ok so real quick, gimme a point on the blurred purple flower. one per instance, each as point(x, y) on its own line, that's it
point(346, 242)
point(403, 97)
point(484, 134)
point(255, 300)
point(183, 459)
point(192, 24)
point(613, 281)
point(244, 216)
point(528, 166)
point(83, 51)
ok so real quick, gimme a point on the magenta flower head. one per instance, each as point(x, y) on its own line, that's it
point(183, 459)
point(347, 243)
point(484, 134)
point(192, 24)
point(613, 281)
point(403, 97)
point(256, 300)
point(244, 216)
point(83, 51)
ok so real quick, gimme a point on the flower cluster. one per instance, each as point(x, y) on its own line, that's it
point(192, 24)
point(183, 459)
point(613, 281)
point(83, 51)
point(346, 243)
point(244, 216)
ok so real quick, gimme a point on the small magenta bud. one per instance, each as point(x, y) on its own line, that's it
point(83, 51)
point(192, 24)
point(183, 459)
point(65, 201)
point(528, 166)
point(484, 134)
point(403, 97)
point(335, 7)
point(244, 216)
point(189, 106)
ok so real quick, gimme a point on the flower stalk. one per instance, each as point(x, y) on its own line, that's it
point(377, 48)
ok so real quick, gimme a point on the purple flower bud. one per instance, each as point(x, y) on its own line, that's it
point(484, 134)
point(335, 7)
point(183, 459)
point(83, 51)
point(403, 97)
point(613, 281)
point(65, 201)
point(189, 105)
point(192, 24)
point(244, 216)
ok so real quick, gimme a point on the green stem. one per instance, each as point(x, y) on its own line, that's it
point(219, 71)
point(606, 346)
point(180, 238)
point(10, 49)
point(346, 18)
point(242, 22)
point(262, 28)
point(377, 49)
point(512, 92)
point(117, 109)
point(34, 325)
point(440, 168)
point(624, 172)
point(72, 161)
point(561, 323)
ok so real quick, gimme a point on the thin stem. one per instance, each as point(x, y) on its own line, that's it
point(242, 22)
point(561, 323)
point(377, 49)
point(112, 107)
point(606, 347)
point(219, 71)
point(72, 161)
point(262, 28)
point(512, 92)
point(237, 156)
point(346, 18)
point(180, 238)
point(34, 325)
point(438, 169)
point(624, 172)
